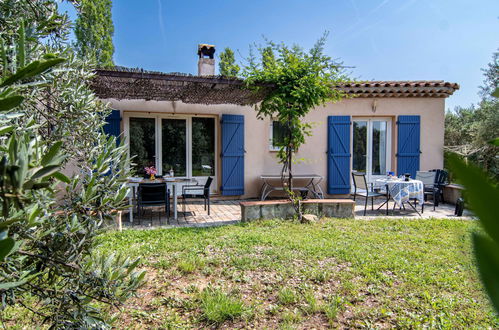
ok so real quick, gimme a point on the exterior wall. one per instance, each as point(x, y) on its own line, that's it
point(259, 160)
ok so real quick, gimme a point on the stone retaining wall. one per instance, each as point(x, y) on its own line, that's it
point(282, 209)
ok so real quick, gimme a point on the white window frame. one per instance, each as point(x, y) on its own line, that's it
point(158, 140)
point(369, 176)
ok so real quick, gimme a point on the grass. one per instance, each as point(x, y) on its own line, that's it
point(337, 273)
point(286, 296)
point(351, 273)
point(217, 306)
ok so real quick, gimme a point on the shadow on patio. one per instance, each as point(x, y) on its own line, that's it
point(441, 211)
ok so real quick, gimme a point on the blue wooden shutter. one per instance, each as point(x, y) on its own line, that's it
point(232, 155)
point(112, 126)
point(338, 155)
point(408, 148)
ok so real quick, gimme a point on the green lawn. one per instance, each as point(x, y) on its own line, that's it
point(341, 273)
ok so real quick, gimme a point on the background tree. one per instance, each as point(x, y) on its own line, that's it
point(94, 31)
point(47, 261)
point(468, 130)
point(227, 64)
point(295, 82)
point(491, 81)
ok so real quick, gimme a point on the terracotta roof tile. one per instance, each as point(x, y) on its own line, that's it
point(411, 88)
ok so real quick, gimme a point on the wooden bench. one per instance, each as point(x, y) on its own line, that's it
point(282, 209)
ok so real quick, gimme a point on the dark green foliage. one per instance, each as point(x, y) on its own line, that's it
point(227, 65)
point(31, 70)
point(9, 102)
point(482, 195)
point(94, 31)
point(296, 81)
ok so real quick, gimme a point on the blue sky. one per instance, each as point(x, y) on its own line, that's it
point(382, 39)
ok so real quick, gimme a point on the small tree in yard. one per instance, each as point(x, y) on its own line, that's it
point(294, 82)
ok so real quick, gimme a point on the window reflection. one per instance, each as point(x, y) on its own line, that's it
point(173, 133)
point(203, 146)
point(379, 148)
point(359, 146)
point(142, 144)
point(278, 134)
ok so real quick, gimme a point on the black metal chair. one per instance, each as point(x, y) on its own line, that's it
point(441, 178)
point(192, 191)
point(429, 187)
point(360, 182)
point(153, 194)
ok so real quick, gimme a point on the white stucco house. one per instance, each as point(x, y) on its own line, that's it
point(204, 125)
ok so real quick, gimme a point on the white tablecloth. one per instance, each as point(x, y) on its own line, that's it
point(403, 191)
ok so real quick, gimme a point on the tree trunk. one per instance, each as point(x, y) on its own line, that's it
point(295, 199)
point(289, 151)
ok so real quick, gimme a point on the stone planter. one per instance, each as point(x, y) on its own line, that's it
point(282, 209)
point(452, 192)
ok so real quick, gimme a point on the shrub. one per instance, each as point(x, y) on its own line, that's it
point(49, 118)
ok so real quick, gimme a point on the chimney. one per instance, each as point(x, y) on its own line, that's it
point(206, 62)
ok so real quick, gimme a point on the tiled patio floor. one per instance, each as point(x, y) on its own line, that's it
point(222, 212)
point(225, 212)
point(442, 211)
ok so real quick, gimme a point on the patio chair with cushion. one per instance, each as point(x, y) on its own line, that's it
point(198, 191)
point(429, 187)
point(362, 189)
point(151, 195)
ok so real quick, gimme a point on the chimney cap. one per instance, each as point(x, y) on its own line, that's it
point(206, 50)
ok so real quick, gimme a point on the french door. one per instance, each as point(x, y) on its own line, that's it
point(371, 147)
point(184, 144)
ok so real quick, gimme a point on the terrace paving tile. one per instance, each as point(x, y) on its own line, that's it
point(224, 212)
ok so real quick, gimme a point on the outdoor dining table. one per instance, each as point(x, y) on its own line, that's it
point(310, 183)
point(170, 181)
point(402, 191)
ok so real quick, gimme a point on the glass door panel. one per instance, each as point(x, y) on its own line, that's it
point(371, 147)
point(142, 144)
point(378, 164)
point(203, 146)
point(174, 148)
point(359, 161)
